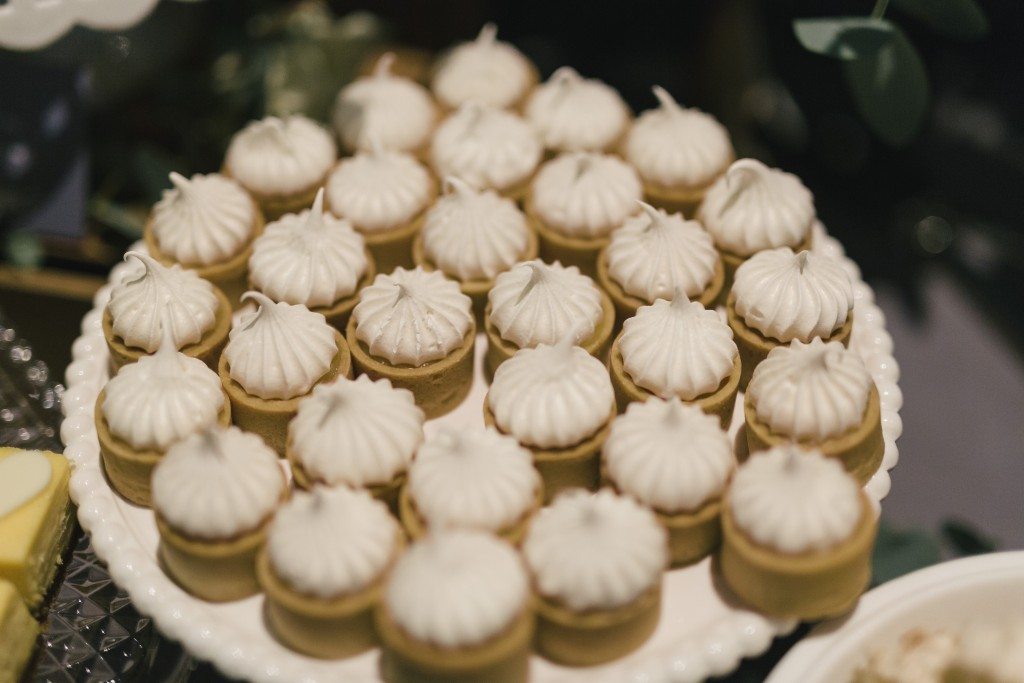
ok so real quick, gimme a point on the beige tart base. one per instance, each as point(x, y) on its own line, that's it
point(476, 290)
point(230, 276)
point(577, 466)
point(269, 417)
point(500, 350)
point(325, 628)
point(677, 200)
point(721, 403)
point(860, 449)
point(555, 245)
point(130, 470)
point(416, 526)
point(505, 658)
point(626, 304)
point(596, 636)
point(386, 493)
point(206, 349)
point(809, 586)
point(438, 386)
point(733, 261)
point(754, 347)
point(276, 205)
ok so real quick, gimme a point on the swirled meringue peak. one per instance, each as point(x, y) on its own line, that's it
point(161, 399)
point(674, 147)
point(397, 112)
point(152, 295)
point(794, 501)
point(476, 478)
point(485, 70)
point(753, 207)
point(276, 156)
point(677, 348)
point(585, 194)
point(573, 113)
point(551, 396)
point(810, 391)
point(357, 432)
point(217, 484)
point(668, 455)
point(331, 542)
point(474, 235)
point(203, 220)
point(457, 588)
point(412, 317)
point(486, 147)
point(789, 296)
point(654, 254)
point(280, 350)
point(537, 303)
point(379, 189)
point(595, 550)
point(309, 258)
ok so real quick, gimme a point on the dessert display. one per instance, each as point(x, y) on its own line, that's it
point(275, 356)
point(361, 433)
point(149, 405)
point(281, 162)
point(36, 519)
point(457, 607)
point(214, 494)
point(472, 236)
point(920, 655)
point(779, 295)
point(678, 152)
point(678, 349)
point(596, 561)
point(206, 223)
point(676, 460)
point(18, 631)
point(576, 200)
point(989, 652)
point(484, 70)
point(383, 194)
point(797, 535)
point(314, 259)
point(820, 396)
point(416, 329)
point(558, 402)
point(576, 114)
point(323, 569)
point(152, 296)
point(489, 148)
point(385, 109)
point(752, 208)
point(655, 254)
point(539, 303)
point(474, 479)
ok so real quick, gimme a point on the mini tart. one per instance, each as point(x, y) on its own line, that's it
point(676, 460)
point(457, 608)
point(819, 396)
point(323, 569)
point(596, 562)
point(308, 351)
point(523, 297)
point(436, 364)
point(816, 301)
point(214, 494)
point(281, 162)
point(475, 479)
point(484, 70)
point(205, 212)
point(822, 571)
point(18, 632)
point(133, 319)
point(573, 113)
point(653, 255)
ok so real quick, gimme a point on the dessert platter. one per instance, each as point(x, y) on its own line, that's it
point(515, 386)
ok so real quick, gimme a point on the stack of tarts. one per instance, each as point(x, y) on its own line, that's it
point(285, 450)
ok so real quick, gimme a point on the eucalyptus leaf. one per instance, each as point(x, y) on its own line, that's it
point(890, 89)
point(958, 19)
point(843, 38)
point(901, 552)
point(966, 539)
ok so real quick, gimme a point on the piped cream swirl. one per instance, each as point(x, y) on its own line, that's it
point(485, 70)
point(277, 156)
point(573, 113)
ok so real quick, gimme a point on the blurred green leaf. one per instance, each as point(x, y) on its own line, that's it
point(24, 249)
point(958, 19)
point(117, 218)
point(901, 552)
point(890, 89)
point(843, 38)
point(965, 539)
